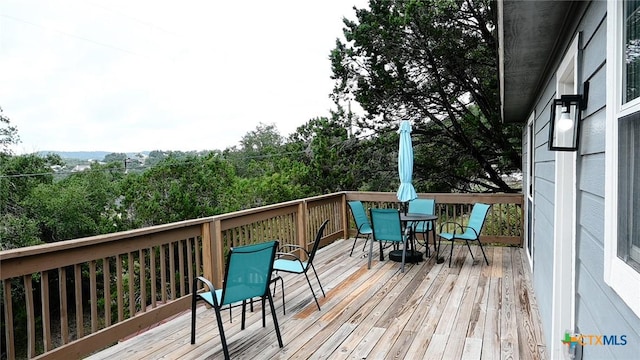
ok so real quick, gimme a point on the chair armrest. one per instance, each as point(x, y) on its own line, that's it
point(454, 229)
point(474, 231)
point(285, 254)
point(294, 247)
point(209, 285)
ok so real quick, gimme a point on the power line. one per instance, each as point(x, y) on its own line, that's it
point(71, 35)
point(146, 167)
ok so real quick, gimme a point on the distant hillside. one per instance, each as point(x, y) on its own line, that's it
point(84, 155)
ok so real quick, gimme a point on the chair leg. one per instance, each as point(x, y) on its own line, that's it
point(483, 254)
point(225, 348)
point(264, 322)
point(275, 284)
point(244, 309)
point(381, 251)
point(275, 318)
point(365, 242)
point(354, 244)
point(313, 292)
point(317, 278)
point(404, 253)
point(370, 254)
point(451, 254)
point(470, 252)
point(425, 235)
point(193, 317)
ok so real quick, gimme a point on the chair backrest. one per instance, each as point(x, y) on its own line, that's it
point(386, 225)
point(477, 218)
point(248, 271)
point(422, 206)
point(316, 244)
point(360, 216)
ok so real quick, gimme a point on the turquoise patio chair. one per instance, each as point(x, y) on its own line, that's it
point(247, 275)
point(387, 227)
point(362, 223)
point(289, 262)
point(471, 232)
point(423, 206)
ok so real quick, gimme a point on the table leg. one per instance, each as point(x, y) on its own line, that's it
point(439, 260)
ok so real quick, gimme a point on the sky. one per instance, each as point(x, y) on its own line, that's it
point(139, 75)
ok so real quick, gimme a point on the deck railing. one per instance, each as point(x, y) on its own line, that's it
point(71, 298)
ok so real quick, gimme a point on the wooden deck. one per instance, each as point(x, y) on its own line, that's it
point(431, 311)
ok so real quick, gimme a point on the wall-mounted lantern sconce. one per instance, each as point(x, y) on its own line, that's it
point(564, 130)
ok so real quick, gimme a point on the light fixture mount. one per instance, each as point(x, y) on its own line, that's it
point(564, 130)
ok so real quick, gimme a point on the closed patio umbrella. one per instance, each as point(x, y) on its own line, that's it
point(406, 191)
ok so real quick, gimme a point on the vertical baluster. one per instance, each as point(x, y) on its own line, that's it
point(163, 274)
point(78, 294)
point(197, 252)
point(190, 262)
point(143, 280)
point(132, 280)
point(64, 319)
point(8, 320)
point(93, 296)
point(106, 277)
point(31, 325)
point(172, 270)
point(46, 313)
point(152, 268)
point(119, 287)
point(181, 269)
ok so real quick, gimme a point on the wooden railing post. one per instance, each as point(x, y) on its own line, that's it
point(218, 254)
point(302, 227)
point(212, 252)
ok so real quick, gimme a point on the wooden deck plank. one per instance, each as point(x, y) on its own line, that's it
point(455, 344)
point(429, 312)
point(395, 288)
point(508, 322)
point(526, 335)
point(534, 315)
point(368, 342)
point(491, 334)
point(472, 349)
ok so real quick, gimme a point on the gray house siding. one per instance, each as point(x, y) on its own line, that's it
point(599, 310)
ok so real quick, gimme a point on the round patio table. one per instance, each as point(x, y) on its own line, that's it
point(412, 254)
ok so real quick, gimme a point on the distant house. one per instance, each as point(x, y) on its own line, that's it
point(583, 207)
point(79, 168)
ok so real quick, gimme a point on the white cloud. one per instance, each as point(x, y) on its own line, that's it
point(172, 75)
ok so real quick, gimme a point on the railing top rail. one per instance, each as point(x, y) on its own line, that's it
point(98, 239)
point(443, 198)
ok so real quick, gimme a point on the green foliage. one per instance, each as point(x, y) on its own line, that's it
point(8, 135)
point(433, 62)
point(175, 190)
point(82, 204)
point(338, 161)
point(18, 231)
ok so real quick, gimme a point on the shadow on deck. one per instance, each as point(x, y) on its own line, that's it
point(431, 311)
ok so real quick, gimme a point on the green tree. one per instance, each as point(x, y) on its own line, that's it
point(340, 157)
point(20, 174)
point(257, 151)
point(433, 62)
point(82, 204)
point(8, 135)
point(177, 189)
